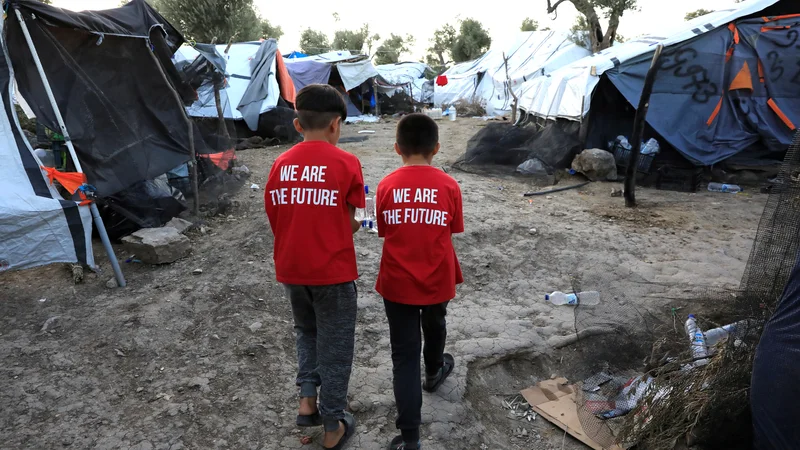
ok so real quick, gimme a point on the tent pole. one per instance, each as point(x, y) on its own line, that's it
point(638, 129)
point(98, 221)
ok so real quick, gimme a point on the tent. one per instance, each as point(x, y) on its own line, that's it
point(255, 83)
point(532, 55)
point(341, 69)
point(726, 83)
point(37, 226)
point(104, 80)
point(406, 77)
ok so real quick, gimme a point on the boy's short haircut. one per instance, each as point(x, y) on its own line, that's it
point(417, 134)
point(318, 104)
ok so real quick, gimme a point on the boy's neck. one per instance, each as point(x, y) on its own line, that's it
point(319, 136)
point(417, 160)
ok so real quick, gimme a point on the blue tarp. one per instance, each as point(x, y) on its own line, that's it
point(775, 392)
point(296, 54)
point(697, 77)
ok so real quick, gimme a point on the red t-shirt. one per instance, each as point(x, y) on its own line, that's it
point(419, 208)
point(306, 198)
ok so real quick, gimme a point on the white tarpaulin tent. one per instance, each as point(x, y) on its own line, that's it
point(532, 55)
point(408, 77)
point(568, 91)
point(37, 226)
point(237, 69)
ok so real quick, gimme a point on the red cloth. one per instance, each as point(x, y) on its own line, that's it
point(306, 198)
point(71, 181)
point(284, 80)
point(441, 80)
point(419, 208)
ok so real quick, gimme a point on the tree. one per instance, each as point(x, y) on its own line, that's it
point(472, 41)
point(270, 31)
point(529, 25)
point(695, 14)
point(355, 40)
point(204, 20)
point(314, 42)
point(390, 50)
point(610, 9)
point(441, 46)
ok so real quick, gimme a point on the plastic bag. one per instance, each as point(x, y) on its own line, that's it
point(533, 166)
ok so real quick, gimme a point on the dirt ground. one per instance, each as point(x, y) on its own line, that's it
point(179, 360)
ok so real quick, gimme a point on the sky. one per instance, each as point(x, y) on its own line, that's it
point(420, 18)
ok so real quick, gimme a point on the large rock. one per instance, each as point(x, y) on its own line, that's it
point(596, 164)
point(158, 245)
point(179, 224)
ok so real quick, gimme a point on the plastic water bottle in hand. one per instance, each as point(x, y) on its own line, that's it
point(582, 298)
point(367, 215)
point(697, 340)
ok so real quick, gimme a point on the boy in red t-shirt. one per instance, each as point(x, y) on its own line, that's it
point(310, 198)
point(419, 208)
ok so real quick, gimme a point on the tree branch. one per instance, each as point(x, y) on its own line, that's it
point(552, 8)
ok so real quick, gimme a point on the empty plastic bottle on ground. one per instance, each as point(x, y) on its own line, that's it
point(727, 188)
point(715, 335)
point(451, 113)
point(697, 341)
point(582, 298)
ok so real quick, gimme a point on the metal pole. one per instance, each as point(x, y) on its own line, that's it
point(638, 130)
point(98, 221)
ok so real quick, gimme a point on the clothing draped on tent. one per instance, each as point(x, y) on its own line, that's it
point(262, 80)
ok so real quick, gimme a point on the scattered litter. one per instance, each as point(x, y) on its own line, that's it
point(255, 187)
point(42, 300)
point(519, 409)
point(198, 272)
point(49, 322)
point(616, 192)
point(132, 259)
point(366, 132)
point(533, 231)
point(119, 353)
point(139, 389)
point(255, 326)
point(593, 383)
point(554, 400)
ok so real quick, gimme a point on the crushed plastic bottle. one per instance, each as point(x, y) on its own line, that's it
point(726, 188)
point(697, 341)
point(582, 298)
point(651, 147)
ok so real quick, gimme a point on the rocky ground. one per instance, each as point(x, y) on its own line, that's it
point(199, 354)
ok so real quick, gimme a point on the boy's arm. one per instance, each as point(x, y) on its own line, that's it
point(354, 224)
point(457, 222)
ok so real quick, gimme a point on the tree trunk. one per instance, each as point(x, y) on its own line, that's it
point(599, 40)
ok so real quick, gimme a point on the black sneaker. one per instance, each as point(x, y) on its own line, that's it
point(432, 383)
point(398, 444)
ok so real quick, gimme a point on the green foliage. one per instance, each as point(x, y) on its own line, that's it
point(390, 50)
point(355, 40)
point(270, 31)
point(314, 42)
point(472, 41)
point(695, 14)
point(204, 20)
point(529, 25)
point(441, 45)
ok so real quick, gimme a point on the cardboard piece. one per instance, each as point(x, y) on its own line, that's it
point(555, 400)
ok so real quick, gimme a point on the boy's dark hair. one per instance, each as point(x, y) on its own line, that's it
point(417, 134)
point(318, 104)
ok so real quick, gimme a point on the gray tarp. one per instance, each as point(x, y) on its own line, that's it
point(354, 74)
point(257, 91)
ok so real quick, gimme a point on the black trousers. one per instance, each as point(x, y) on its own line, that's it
point(405, 322)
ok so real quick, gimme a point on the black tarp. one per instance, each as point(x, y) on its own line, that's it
point(115, 90)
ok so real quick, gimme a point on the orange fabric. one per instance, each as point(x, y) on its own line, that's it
point(787, 16)
point(222, 159)
point(743, 79)
point(284, 80)
point(765, 29)
point(715, 113)
point(729, 54)
point(735, 32)
point(70, 180)
point(760, 71)
point(780, 114)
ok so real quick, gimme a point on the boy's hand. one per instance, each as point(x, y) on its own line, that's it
point(354, 224)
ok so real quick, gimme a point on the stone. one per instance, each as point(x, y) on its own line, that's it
point(179, 224)
point(112, 283)
point(596, 164)
point(255, 326)
point(158, 245)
